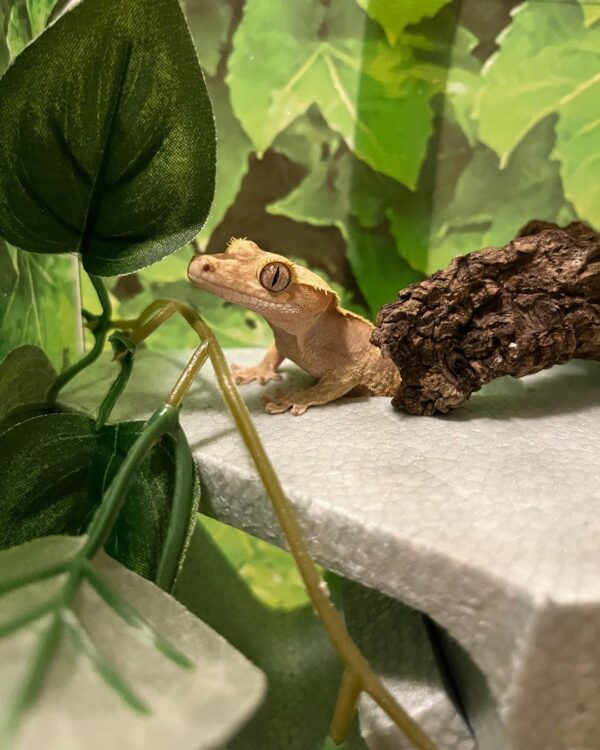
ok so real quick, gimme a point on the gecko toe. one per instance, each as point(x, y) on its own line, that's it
point(276, 407)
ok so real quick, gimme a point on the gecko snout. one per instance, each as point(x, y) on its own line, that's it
point(199, 267)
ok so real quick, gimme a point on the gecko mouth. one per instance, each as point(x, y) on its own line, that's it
point(240, 298)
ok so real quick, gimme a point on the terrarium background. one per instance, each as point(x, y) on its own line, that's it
point(373, 140)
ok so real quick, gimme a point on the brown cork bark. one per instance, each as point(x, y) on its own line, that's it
point(512, 310)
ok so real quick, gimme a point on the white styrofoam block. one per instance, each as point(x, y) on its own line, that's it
point(397, 642)
point(488, 519)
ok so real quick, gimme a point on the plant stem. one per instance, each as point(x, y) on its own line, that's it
point(186, 378)
point(100, 332)
point(355, 662)
point(345, 707)
point(116, 389)
point(181, 513)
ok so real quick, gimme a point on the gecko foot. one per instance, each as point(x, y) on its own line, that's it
point(278, 407)
point(262, 375)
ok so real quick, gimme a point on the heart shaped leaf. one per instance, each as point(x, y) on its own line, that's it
point(108, 139)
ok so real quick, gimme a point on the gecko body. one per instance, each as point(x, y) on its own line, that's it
point(309, 327)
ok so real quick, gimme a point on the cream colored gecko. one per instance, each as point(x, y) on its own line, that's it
point(309, 326)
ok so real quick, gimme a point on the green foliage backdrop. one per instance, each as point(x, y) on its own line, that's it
point(375, 140)
point(369, 139)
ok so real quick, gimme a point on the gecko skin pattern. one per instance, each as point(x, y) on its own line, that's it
point(309, 326)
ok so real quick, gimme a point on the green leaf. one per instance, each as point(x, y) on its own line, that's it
point(463, 83)
point(466, 201)
point(291, 647)
point(39, 13)
point(55, 469)
point(375, 96)
point(108, 144)
point(269, 572)
point(25, 376)
point(491, 204)
point(38, 303)
point(591, 13)
point(394, 17)
point(378, 268)
point(518, 92)
point(98, 671)
point(209, 24)
point(5, 9)
point(337, 185)
point(19, 31)
point(27, 20)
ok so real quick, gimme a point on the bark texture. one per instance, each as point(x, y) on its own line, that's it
point(512, 310)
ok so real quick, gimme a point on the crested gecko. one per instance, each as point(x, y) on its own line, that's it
point(309, 326)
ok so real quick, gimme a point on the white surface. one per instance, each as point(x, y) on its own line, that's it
point(79, 708)
point(395, 640)
point(487, 519)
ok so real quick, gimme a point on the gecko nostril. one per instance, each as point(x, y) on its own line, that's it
point(207, 268)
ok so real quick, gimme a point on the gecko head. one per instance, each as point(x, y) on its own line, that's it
point(267, 283)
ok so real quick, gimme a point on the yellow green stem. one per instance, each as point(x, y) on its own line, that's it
point(360, 675)
point(345, 707)
point(186, 378)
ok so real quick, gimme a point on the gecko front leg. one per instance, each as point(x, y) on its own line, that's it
point(329, 388)
point(263, 372)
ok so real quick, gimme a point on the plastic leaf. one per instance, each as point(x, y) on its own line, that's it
point(108, 143)
point(99, 672)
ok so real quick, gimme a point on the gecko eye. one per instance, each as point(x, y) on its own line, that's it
point(275, 277)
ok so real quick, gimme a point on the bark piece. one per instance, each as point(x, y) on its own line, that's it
point(512, 310)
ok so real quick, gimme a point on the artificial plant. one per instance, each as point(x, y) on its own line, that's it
point(108, 152)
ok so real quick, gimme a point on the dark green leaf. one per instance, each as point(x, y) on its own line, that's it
point(54, 471)
point(25, 376)
point(108, 143)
